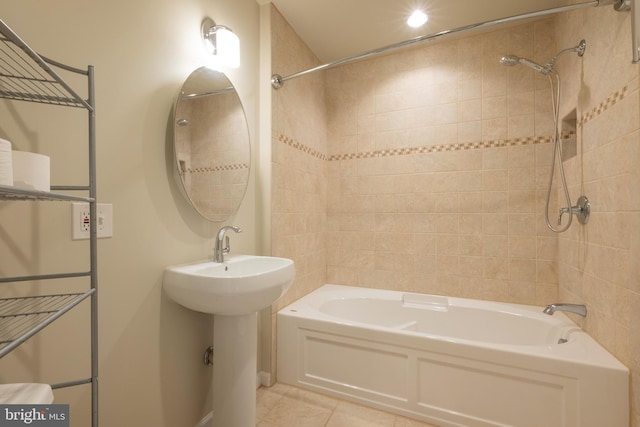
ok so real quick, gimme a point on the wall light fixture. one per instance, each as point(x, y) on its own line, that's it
point(222, 43)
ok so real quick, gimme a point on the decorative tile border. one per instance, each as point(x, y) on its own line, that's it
point(295, 144)
point(442, 148)
point(220, 168)
point(611, 100)
point(585, 118)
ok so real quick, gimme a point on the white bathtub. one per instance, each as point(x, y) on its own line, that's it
point(451, 361)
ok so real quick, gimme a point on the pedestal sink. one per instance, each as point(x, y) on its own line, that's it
point(233, 291)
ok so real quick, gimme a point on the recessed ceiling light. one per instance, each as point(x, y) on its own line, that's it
point(417, 19)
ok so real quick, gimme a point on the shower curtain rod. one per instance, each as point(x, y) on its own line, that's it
point(277, 81)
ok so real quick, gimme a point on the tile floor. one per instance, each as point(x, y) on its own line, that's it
point(286, 406)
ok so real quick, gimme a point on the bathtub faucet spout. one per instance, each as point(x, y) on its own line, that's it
point(571, 308)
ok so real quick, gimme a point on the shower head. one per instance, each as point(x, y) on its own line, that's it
point(511, 60)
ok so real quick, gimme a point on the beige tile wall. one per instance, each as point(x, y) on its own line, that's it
point(439, 162)
point(299, 144)
point(598, 264)
point(299, 167)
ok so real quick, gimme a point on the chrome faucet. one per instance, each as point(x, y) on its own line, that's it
point(571, 308)
point(220, 250)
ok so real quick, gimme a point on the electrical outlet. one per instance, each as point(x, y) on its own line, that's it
point(85, 219)
point(81, 220)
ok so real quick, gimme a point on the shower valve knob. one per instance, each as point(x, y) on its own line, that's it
point(582, 211)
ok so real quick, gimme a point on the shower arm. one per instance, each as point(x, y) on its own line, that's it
point(277, 81)
point(579, 49)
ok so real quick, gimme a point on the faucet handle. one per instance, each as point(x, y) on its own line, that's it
point(227, 247)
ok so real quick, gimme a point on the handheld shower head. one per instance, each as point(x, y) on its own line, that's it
point(511, 60)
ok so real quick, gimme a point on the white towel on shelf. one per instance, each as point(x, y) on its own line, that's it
point(26, 394)
point(6, 164)
point(31, 170)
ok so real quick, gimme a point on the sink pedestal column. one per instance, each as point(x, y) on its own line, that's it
point(235, 352)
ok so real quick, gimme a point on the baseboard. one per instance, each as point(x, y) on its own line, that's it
point(207, 421)
point(264, 378)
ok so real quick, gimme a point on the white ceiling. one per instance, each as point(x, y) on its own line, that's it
point(336, 29)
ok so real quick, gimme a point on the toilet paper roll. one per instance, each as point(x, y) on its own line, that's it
point(6, 169)
point(31, 171)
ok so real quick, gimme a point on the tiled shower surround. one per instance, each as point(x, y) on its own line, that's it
point(426, 170)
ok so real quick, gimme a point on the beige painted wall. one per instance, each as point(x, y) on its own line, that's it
point(150, 348)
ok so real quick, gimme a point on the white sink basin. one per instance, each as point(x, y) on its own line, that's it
point(242, 284)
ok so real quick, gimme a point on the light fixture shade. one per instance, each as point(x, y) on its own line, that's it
point(222, 43)
point(228, 47)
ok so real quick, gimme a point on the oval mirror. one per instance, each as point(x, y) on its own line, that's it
point(211, 144)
